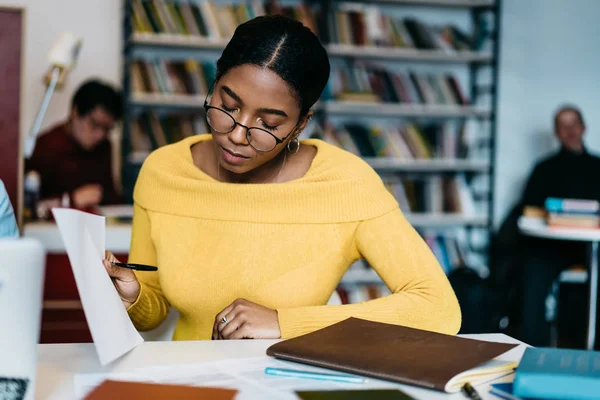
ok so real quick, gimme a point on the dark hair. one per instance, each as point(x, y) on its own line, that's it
point(95, 93)
point(565, 108)
point(284, 46)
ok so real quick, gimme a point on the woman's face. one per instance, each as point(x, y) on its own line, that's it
point(257, 98)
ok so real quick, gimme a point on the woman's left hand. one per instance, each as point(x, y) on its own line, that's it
point(246, 320)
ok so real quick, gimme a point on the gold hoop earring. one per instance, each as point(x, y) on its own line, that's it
point(296, 147)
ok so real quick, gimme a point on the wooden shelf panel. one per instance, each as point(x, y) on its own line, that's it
point(338, 50)
point(392, 164)
point(331, 107)
point(404, 110)
point(428, 165)
point(439, 3)
point(169, 40)
point(167, 100)
point(408, 54)
point(435, 220)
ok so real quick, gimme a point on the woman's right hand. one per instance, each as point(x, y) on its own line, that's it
point(124, 280)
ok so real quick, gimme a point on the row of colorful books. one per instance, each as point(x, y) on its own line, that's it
point(373, 83)
point(349, 23)
point(150, 130)
point(451, 139)
point(172, 77)
point(433, 194)
point(368, 25)
point(207, 19)
point(360, 83)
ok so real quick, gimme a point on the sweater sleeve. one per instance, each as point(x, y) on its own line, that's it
point(151, 306)
point(421, 294)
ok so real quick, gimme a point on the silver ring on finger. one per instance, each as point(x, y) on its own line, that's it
point(224, 320)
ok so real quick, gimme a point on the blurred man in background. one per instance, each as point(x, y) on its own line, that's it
point(74, 158)
point(571, 173)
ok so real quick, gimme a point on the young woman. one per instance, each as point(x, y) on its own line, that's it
point(252, 229)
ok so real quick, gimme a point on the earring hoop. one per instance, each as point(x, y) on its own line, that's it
point(296, 147)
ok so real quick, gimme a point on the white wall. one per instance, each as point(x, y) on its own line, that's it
point(97, 22)
point(549, 56)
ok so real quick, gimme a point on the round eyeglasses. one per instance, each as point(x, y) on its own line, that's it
point(220, 121)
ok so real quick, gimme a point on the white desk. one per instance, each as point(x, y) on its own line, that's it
point(537, 227)
point(58, 363)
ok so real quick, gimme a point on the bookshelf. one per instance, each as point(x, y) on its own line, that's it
point(427, 87)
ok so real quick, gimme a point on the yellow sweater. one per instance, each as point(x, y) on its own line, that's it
point(284, 246)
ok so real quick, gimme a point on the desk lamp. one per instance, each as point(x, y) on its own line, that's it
point(63, 56)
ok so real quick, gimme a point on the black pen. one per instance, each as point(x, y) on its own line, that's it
point(470, 391)
point(137, 267)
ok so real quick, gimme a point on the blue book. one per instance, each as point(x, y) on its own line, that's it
point(572, 206)
point(504, 391)
point(558, 374)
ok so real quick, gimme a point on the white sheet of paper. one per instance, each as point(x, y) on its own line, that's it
point(247, 375)
point(110, 326)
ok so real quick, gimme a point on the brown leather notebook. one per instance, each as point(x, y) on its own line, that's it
point(399, 354)
point(113, 390)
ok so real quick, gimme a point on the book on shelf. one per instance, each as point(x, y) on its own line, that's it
point(160, 76)
point(450, 248)
point(367, 82)
point(433, 194)
point(208, 19)
point(149, 131)
point(367, 25)
point(407, 141)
